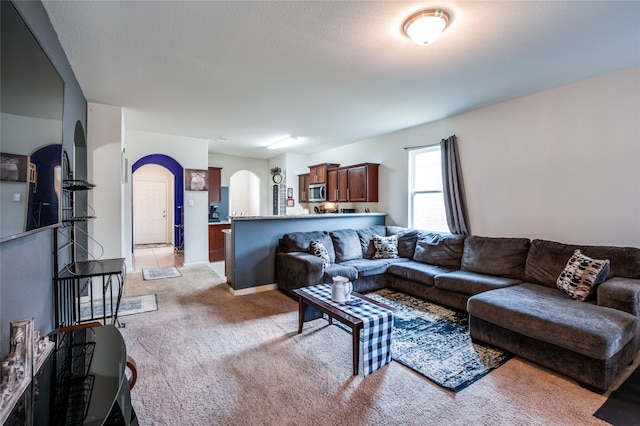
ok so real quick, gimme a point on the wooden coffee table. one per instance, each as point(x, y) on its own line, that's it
point(305, 299)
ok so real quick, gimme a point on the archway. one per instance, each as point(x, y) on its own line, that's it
point(244, 193)
point(178, 194)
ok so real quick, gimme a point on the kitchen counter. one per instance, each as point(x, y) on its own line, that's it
point(305, 216)
point(252, 242)
point(222, 222)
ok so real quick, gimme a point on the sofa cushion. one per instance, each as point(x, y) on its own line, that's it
point(346, 244)
point(470, 283)
point(366, 239)
point(407, 239)
point(301, 241)
point(337, 269)
point(549, 315)
point(386, 247)
point(368, 267)
point(416, 271)
point(582, 275)
point(547, 259)
point(504, 257)
point(440, 250)
point(318, 249)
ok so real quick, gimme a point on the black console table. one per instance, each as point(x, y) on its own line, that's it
point(75, 281)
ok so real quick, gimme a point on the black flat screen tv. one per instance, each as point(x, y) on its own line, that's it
point(30, 131)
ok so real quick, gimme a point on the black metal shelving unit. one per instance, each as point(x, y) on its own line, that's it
point(76, 300)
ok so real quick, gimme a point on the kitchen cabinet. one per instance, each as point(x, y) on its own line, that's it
point(342, 190)
point(357, 183)
point(216, 241)
point(332, 185)
point(215, 182)
point(303, 188)
point(318, 173)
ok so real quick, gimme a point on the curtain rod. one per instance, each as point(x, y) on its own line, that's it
point(411, 148)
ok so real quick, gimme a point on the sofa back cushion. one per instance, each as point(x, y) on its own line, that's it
point(440, 250)
point(503, 257)
point(301, 241)
point(346, 245)
point(366, 239)
point(547, 260)
point(407, 239)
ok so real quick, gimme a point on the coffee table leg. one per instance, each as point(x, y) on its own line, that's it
point(355, 334)
point(301, 308)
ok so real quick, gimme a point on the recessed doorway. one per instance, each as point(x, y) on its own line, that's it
point(153, 218)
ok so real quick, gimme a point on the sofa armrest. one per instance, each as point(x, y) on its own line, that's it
point(298, 269)
point(620, 293)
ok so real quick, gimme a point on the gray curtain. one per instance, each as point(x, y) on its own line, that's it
point(455, 202)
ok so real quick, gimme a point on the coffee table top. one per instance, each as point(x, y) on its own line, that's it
point(336, 310)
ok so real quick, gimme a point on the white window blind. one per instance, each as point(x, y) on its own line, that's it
point(426, 200)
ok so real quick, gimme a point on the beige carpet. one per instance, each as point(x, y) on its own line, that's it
point(209, 358)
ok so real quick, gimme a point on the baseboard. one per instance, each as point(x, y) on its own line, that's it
point(199, 262)
point(251, 290)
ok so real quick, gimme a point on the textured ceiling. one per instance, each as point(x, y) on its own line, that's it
point(329, 72)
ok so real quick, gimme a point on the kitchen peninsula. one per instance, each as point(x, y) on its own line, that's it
point(250, 244)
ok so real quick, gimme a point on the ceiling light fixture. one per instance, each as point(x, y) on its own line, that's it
point(426, 26)
point(289, 140)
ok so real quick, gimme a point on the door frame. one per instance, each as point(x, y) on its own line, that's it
point(167, 210)
point(178, 194)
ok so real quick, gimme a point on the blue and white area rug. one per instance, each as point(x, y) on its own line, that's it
point(128, 306)
point(161, 272)
point(434, 341)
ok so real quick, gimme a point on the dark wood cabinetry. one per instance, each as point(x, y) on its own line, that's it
point(303, 188)
point(332, 185)
point(318, 173)
point(357, 183)
point(216, 241)
point(215, 182)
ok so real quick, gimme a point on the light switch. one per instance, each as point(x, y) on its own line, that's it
point(190, 203)
point(17, 197)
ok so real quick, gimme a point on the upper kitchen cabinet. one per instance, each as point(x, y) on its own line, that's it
point(362, 182)
point(318, 173)
point(215, 182)
point(303, 188)
point(357, 183)
point(332, 185)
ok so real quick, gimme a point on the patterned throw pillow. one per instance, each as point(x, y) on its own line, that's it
point(386, 247)
point(316, 248)
point(581, 276)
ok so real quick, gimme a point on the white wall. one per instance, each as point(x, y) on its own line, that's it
point(295, 165)
point(104, 141)
point(190, 153)
point(260, 167)
point(563, 164)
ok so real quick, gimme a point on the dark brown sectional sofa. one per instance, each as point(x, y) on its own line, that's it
point(507, 285)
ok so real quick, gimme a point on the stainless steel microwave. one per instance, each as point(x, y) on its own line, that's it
point(317, 192)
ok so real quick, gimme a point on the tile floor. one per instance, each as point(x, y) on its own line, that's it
point(154, 256)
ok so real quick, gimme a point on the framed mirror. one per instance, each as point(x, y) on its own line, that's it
point(30, 133)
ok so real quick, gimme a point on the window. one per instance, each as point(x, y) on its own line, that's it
point(426, 200)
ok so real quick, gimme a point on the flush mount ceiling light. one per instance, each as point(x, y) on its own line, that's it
point(289, 140)
point(426, 26)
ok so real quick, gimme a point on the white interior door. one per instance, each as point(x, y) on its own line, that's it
point(149, 212)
